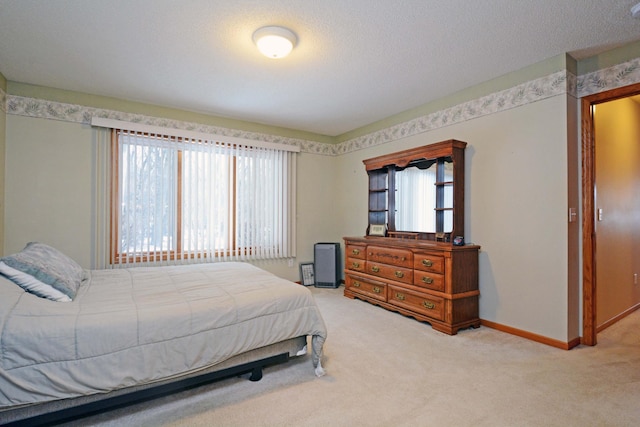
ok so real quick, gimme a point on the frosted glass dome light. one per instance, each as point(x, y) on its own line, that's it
point(274, 42)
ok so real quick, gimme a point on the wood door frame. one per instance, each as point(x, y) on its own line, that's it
point(589, 326)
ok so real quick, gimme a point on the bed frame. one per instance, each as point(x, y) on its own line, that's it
point(251, 362)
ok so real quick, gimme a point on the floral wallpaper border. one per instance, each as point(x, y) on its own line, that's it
point(532, 91)
point(45, 109)
point(535, 90)
point(613, 77)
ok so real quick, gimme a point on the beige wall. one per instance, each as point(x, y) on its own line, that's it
point(516, 209)
point(617, 136)
point(574, 224)
point(49, 192)
point(48, 186)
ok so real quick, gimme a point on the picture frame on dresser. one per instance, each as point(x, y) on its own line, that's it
point(377, 230)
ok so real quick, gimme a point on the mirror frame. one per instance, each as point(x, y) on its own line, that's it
point(383, 168)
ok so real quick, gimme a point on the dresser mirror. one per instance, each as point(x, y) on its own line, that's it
point(419, 193)
point(418, 196)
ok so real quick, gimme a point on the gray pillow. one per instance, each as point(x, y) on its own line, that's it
point(49, 266)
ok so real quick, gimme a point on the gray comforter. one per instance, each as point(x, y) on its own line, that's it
point(140, 325)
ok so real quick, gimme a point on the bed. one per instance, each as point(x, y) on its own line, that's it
point(125, 330)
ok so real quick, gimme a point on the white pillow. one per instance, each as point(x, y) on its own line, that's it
point(31, 284)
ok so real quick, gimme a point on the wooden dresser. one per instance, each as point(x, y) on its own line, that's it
point(431, 281)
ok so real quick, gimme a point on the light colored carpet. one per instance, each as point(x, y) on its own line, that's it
point(384, 369)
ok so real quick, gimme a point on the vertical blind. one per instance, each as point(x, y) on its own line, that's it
point(188, 198)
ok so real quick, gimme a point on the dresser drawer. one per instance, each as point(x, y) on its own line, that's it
point(429, 305)
point(391, 272)
point(362, 286)
point(427, 261)
point(356, 251)
point(355, 264)
point(426, 279)
point(391, 256)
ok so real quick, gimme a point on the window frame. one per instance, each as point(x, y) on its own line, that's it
point(116, 256)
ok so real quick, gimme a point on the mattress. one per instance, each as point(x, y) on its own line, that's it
point(141, 325)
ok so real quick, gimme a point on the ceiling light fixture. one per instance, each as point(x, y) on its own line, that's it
point(274, 42)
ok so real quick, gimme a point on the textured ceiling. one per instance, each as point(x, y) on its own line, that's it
point(357, 61)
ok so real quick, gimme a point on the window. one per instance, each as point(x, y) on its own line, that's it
point(177, 198)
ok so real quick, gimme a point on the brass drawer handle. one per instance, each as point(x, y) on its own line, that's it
point(429, 305)
point(375, 269)
point(399, 296)
point(355, 252)
point(399, 274)
point(355, 265)
point(377, 290)
point(427, 280)
point(356, 284)
point(427, 263)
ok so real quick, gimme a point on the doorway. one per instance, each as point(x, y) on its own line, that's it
point(589, 209)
